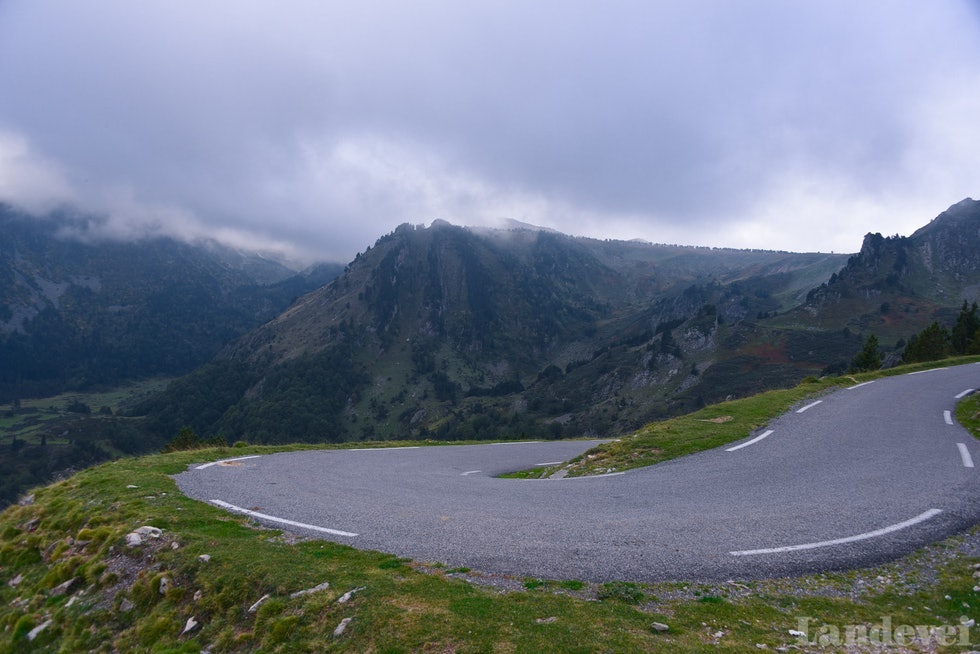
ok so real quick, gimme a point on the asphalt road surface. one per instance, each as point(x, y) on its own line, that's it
point(864, 475)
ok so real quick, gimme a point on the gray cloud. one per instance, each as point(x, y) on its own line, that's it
point(317, 126)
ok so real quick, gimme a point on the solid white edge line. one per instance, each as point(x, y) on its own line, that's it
point(608, 474)
point(516, 443)
point(965, 455)
point(284, 521)
point(380, 449)
point(214, 463)
point(922, 517)
point(851, 388)
point(809, 406)
point(948, 417)
point(751, 442)
point(920, 372)
point(963, 394)
point(549, 463)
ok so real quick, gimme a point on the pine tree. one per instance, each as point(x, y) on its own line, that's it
point(869, 358)
point(965, 330)
point(931, 344)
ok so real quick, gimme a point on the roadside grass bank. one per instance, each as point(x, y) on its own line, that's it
point(72, 579)
point(712, 426)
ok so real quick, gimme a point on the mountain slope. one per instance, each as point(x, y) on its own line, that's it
point(897, 285)
point(76, 314)
point(446, 332)
point(451, 332)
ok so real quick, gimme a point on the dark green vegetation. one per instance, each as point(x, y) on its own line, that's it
point(937, 342)
point(68, 582)
point(55, 436)
point(450, 333)
point(78, 316)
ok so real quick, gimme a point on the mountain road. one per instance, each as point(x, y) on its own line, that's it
point(859, 476)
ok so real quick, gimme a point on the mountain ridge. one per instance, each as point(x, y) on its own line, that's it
point(74, 314)
point(445, 331)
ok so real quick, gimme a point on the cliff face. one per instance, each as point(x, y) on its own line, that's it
point(896, 285)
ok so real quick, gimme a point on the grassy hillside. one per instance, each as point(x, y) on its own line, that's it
point(43, 438)
point(69, 582)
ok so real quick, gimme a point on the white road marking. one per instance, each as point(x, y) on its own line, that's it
point(381, 449)
point(751, 442)
point(948, 417)
point(919, 372)
point(283, 521)
point(851, 388)
point(809, 406)
point(214, 463)
point(965, 455)
point(608, 474)
point(516, 443)
point(964, 393)
point(922, 517)
point(469, 472)
point(549, 463)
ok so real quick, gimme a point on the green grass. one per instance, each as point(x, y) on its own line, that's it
point(76, 528)
point(41, 414)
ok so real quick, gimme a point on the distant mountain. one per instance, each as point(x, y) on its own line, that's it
point(75, 315)
point(450, 332)
point(897, 285)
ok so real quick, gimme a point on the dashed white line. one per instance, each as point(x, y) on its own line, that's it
point(809, 406)
point(922, 517)
point(283, 521)
point(216, 463)
point(469, 472)
point(920, 372)
point(851, 388)
point(964, 393)
point(948, 417)
point(965, 455)
point(751, 442)
point(516, 443)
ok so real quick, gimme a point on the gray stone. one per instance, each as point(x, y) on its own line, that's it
point(339, 631)
point(325, 585)
point(63, 587)
point(190, 625)
point(255, 607)
point(343, 599)
point(36, 631)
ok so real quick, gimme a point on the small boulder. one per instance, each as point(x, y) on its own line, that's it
point(147, 531)
point(190, 625)
point(63, 587)
point(339, 631)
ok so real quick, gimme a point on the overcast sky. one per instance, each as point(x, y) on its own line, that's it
point(317, 126)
